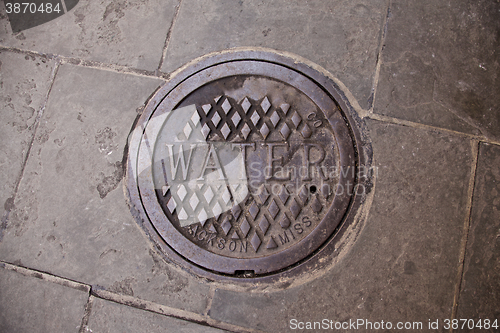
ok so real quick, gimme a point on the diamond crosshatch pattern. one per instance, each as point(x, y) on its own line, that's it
point(259, 223)
point(248, 120)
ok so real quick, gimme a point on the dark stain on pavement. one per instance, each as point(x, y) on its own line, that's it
point(109, 183)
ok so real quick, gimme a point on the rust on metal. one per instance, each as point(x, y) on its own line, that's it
point(245, 166)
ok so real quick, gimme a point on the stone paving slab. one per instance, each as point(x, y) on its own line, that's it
point(123, 32)
point(342, 36)
point(403, 266)
point(29, 304)
point(440, 65)
point(480, 289)
point(70, 217)
point(109, 317)
point(24, 84)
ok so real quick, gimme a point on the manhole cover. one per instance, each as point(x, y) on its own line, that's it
point(243, 164)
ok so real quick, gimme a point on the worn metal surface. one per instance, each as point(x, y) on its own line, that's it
point(244, 167)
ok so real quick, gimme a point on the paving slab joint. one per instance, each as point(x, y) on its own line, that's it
point(383, 34)
point(407, 123)
point(39, 114)
point(211, 295)
point(465, 119)
point(475, 146)
point(169, 36)
point(96, 291)
point(100, 292)
point(45, 276)
point(86, 315)
point(91, 63)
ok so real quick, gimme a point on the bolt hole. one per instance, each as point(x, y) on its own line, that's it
point(313, 189)
point(244, 274)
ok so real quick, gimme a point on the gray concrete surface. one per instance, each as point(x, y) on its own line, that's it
point(440, 63)
point(30, 304)
point(127, 33)
point(109, 317)
point(25, 81)
point(424, 77)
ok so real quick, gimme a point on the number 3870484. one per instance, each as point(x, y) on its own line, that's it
point(31, 8)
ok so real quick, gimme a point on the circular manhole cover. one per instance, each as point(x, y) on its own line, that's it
point(244, 164)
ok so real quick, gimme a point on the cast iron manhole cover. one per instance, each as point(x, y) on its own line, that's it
point(244, 163)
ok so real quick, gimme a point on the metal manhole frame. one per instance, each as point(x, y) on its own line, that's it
point(360, 144)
